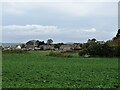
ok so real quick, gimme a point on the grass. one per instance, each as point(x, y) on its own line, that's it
point(36, 70)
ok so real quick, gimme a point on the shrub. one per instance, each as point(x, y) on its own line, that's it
point(59, 54)
point(116, 51)
point(14, 51)
point(82, 52)
point(102, 50)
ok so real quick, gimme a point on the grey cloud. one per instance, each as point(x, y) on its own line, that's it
point(21, 33)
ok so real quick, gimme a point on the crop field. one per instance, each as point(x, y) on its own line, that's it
point(38, 70)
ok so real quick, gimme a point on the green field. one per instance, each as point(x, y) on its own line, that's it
point(36, 70)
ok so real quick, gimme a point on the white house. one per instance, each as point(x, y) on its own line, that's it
point(18, 47)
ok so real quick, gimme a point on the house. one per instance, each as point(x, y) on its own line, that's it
point(100, 42)
point(46, 47)
point(77, 46)
point(66, 47)
point(6, 48)
point(38, 45)
point(33, 42)
point(32, 45)
point(18, 47)
point(36, 48)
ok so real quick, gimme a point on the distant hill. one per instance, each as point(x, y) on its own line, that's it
point(10, 44)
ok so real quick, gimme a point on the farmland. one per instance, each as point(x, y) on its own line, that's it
point(38, 70)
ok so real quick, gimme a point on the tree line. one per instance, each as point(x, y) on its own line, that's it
point(110, 48)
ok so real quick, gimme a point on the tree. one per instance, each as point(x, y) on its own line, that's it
point(94, 40)
point(49, 41)
point(37, 43)
point(116, 51)
point(41, 43)
point(23, 46)
point(91, 40)
point(118, 34)
point(30, 43)
point(58, 45)
point(98, 50)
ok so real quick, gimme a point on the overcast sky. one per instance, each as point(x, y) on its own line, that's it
point(62, 21)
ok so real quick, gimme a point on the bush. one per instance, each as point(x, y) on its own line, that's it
point(14, 51)
point(58, 54)
point(116, 51)
point(82, 52)
point(101, 50)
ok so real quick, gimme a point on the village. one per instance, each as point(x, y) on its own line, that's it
point(36, 45)
point(92, 47)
